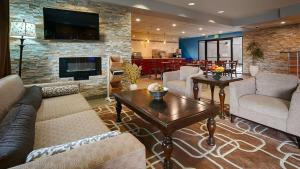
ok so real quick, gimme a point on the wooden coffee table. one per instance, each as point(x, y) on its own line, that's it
point(172, 113)
point(222, 83)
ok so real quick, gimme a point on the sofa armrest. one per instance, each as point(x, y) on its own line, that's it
point(190, 85)
point(169, 76)
point(122, 151)
point(294, 114)
point(238, 89)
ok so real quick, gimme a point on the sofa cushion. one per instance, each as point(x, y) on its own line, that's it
point(186, 71)
point(32, 96)
point(11, 90)
point(276, 85)
point(54, 91)
point(49, 151)
point(266, 105)
point(61, 106)
point(17, 132)
point(68, 128)
point(269, 111)
point(177, 86)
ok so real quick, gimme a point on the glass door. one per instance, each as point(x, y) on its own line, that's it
point(211, 51)
point(225, 50)
point(238, 53)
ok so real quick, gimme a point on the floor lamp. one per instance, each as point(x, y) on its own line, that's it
point(22, 30)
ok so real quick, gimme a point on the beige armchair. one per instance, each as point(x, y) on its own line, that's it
point(269, 99)
point(180, 82)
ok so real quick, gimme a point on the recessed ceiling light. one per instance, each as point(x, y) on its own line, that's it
point(200, 29)
point(174, 25)
point(282, 22)
point(220, 12)
point(191, 4)
point(203, 34)
point(138, 19)
point(183, 32)
point(158, 29)
point(211, 21)
point(220, 31)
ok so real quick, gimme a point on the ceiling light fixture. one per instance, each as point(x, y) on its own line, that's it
point(191, 4)
point(174, 25)
point(138, 19)
point(203, 34)
point(158, 29)
point(200, 29)
point(183, 32)
point(282, 22)
point(220, 12)
point(211, 21)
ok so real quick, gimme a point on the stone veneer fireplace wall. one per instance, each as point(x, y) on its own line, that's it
point(41, 57)
point(273, 41)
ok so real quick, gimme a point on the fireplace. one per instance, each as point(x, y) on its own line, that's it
point(79, 67)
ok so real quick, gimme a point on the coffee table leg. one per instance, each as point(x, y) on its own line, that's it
point(168, 148)
point(212, 91)
point(118, 110)
point(195, 90)
point(222, 104)
point(211, 127)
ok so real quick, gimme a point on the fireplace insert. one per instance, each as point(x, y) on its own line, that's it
point(79, 67)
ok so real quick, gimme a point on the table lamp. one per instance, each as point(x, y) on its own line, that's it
point(22, 30)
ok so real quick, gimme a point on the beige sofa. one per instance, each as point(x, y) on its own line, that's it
point(69, 118)
point(269, 99)
point(180, 82)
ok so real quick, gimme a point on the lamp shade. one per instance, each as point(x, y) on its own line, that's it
point(23, 29)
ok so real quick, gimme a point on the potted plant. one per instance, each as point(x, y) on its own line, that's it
point(134, 73)
point(257, 54)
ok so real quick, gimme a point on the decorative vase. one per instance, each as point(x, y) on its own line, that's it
point(217, 75)
point(254, 70)
point(133, 86)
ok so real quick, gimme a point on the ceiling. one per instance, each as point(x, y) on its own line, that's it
point(233, 9)
point(238, 15)
point(150, 23)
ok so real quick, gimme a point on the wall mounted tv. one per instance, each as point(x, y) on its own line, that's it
point(63, 24)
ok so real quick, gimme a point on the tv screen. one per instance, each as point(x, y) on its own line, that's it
point(63, 24)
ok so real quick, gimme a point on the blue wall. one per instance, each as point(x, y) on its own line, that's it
point(189, 46)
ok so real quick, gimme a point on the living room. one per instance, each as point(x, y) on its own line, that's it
point(149, 84)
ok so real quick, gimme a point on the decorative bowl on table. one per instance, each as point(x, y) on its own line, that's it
point(217, 72)
point(217, 75)
point(157, 91)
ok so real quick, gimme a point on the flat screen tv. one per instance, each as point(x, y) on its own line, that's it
point(63, 24)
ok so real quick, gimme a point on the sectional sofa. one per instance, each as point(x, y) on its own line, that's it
point(28, 124)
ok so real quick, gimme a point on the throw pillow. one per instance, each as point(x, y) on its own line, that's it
point(32, 96)
point(49, 151)
point(55, 91)
point(17, 131)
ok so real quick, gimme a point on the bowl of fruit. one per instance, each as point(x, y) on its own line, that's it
point(157, 91)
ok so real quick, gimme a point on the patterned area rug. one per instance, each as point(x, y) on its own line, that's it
point(242, 144)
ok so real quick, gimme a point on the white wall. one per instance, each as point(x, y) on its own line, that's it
point(139, 43)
